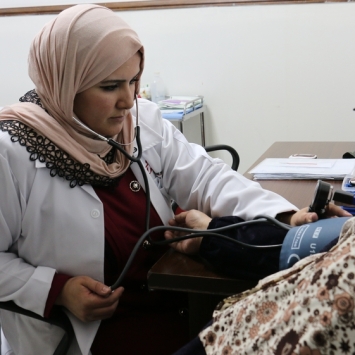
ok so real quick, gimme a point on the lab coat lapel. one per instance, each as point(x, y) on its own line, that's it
point(160, 204)
point(84, 332)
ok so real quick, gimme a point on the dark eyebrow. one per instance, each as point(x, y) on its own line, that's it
point(112, 81)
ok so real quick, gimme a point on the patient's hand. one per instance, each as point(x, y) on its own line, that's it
point(303, 216)
point(192, 219)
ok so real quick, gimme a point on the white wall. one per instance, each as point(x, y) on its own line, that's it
point(268, 73)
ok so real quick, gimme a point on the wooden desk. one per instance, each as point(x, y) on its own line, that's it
point(300, 192)
point(205, 287)
point(175, 271)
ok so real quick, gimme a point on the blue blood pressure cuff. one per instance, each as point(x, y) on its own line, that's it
point(310, 239)
point(241, 262)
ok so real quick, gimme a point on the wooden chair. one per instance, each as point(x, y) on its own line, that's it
point(228, 148)
point(213, 148)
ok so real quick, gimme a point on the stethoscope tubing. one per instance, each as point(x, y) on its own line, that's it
point(192, 233)
point(137, 160)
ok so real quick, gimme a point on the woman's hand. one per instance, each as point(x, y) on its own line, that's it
point(192, 219)
point(89, 299)
point(303, 216)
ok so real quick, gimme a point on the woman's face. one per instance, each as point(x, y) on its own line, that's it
point(105, 106)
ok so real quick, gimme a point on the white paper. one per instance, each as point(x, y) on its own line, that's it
point(280, 168)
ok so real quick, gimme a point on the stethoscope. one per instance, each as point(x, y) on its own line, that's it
point(145, 239)
point(133, 159)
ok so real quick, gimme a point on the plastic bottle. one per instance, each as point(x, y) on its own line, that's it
point(145, 93)
point(157, 88)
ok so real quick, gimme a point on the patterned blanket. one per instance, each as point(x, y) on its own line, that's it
point(305, 310)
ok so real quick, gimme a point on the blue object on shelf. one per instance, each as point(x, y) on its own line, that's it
point(176, 107)
point(181, 108)
point(179, 114)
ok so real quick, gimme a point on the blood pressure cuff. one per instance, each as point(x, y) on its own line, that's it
point(238, 261)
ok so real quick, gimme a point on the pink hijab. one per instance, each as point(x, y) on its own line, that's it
point(82, 46)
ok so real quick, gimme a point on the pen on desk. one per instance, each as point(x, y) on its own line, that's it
point(300, 163)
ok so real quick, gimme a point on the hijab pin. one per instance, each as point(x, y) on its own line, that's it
point(135, 186)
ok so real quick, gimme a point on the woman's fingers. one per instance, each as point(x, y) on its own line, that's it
point(89, 299)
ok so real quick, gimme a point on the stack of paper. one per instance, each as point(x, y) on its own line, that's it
point(177, 106)
point(290, 169)
point(181, 102)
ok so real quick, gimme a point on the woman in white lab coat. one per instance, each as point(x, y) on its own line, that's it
point(72, 207)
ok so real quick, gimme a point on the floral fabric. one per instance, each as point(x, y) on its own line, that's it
point(305, 310)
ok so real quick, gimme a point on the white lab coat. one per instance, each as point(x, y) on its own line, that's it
point(48, 227)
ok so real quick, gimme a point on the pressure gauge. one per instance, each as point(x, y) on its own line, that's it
point(322, 196)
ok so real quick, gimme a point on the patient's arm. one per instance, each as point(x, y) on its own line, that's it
point(192, 219)
point(226, 256)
